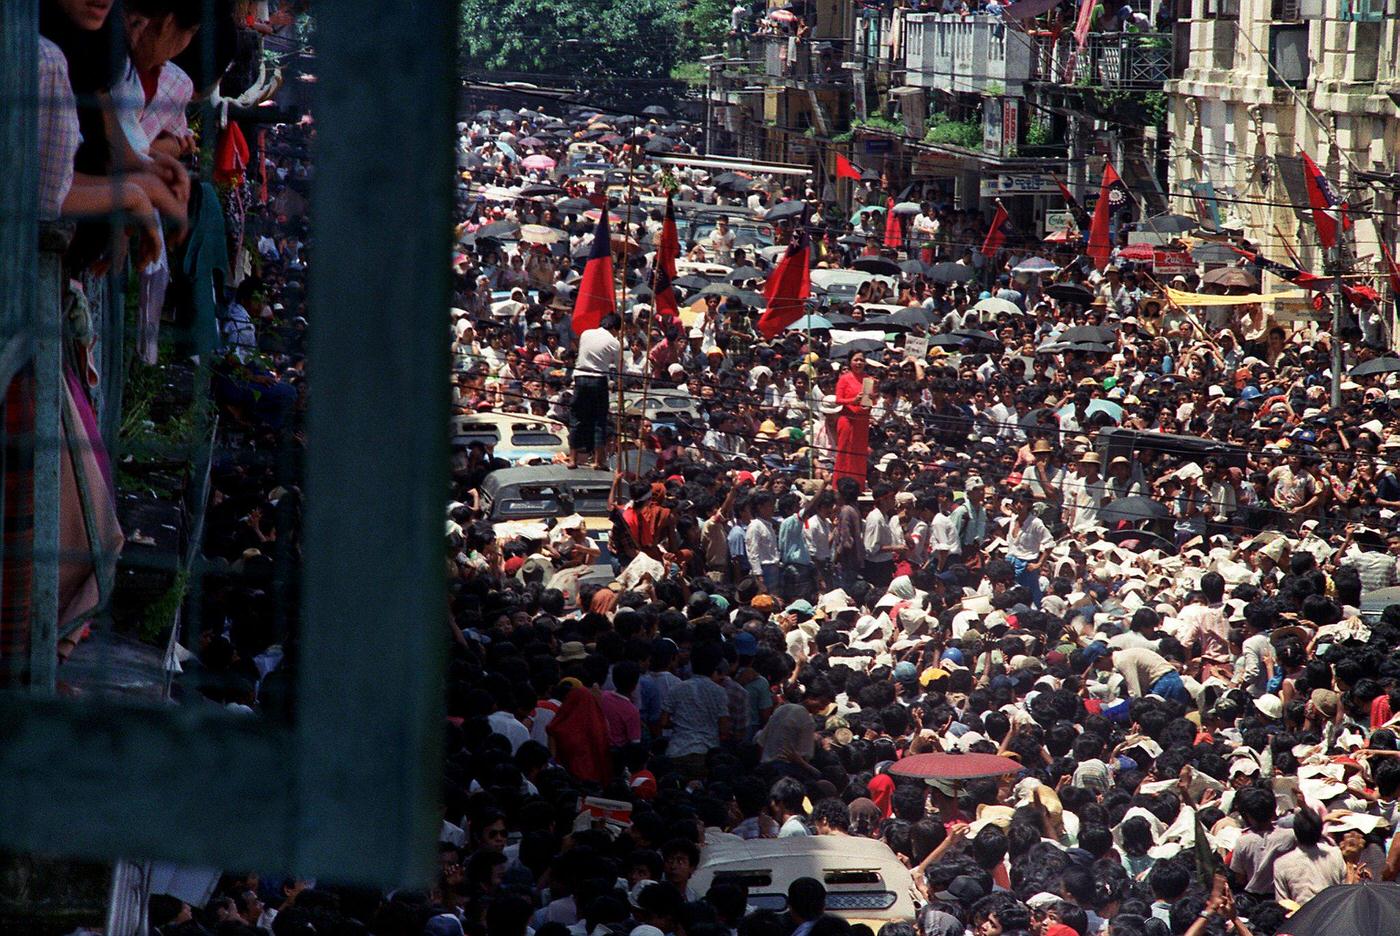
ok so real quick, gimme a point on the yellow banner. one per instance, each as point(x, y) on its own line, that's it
point(1180, 298)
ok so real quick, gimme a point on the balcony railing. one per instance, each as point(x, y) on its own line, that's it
point(1109, 61)
point(964, 54)
point(802, 60)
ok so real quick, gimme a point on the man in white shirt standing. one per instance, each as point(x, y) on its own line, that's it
point(761, 544)
point(1086, 495)
point(881, 545)
point(1029, 543)
point(598, 355)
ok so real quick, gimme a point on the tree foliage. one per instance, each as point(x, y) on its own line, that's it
point(589, 42)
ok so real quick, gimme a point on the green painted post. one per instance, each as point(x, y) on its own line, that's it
point(19, 142)
point(376, 476)
point(48, 457)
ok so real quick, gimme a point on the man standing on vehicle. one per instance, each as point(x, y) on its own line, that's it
point(722, 241)
point(598, 354)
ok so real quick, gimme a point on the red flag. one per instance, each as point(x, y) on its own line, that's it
point(845, 169)
point(1081, 217)
point(1392, 271)
point(595, 297)
point(668, 248)
point(1328, 211)
point(996, 234)
point(787, 288)
point(894, 234)
point(1099, 247)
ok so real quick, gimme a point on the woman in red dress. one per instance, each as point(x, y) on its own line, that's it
point(853, 426)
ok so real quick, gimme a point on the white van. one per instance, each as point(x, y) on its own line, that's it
point(865, 882)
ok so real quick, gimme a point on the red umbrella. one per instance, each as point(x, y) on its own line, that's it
point(1135, 252)
point(955, 766)
point(782, 16)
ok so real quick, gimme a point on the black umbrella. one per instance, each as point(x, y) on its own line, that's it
point(852, 240)
point(1380, 365)
point(1168, 224)
point(841, 318)
point(1140, 541)
point(870, 175)
point(1213, 253)
point(656, 110)
point(568, 205)
point(865, 345)
point(1070, 292)
point(880, 265)
point(1347, 910)
point(690, 281)
point(948, 340)
point(1133, 509)
point(503, 230)
point(469, 161)
point(913, 317)
point(973, 334)
point(732, 181)
point(486, 115)
point(505, 116)
point(788, 209)
point(880, 323)
point(751, 299)
point(1052, 347)
point(540, 189)
point(1089, 347)
point(659, 144)
point(1038, 417)
point(626, 120)
point(915, 267)
point(949, 272)
point(744, 273)
point(1088, 333)
point(723, 290)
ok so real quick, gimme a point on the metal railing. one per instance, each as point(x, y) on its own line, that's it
point(964, 53)
point(802, 60)
point(1108, 61)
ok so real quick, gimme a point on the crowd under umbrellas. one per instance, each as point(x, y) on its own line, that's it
point(1061, 582)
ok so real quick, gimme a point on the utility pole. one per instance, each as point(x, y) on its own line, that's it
point(1338, 303)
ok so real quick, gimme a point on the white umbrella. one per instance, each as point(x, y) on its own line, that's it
point(993, 306)
point(1034, 265)
point(539, 234)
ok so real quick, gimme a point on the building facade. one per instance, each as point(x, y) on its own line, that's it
point(1268, 79)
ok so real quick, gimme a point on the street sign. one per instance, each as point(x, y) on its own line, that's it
point(1058, 221)
point(1172, 262)
point(1008, 184)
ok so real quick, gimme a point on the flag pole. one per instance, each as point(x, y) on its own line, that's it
point(622, 310)
point(1338, 297)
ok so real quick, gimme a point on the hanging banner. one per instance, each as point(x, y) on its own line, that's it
point(1203, 299)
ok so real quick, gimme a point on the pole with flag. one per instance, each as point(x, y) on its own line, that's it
point(1100, 247)
point(595, 297)
point(845, 169)
point(996, 234)
point(668, 248)
point(1081, 217)
point(1330, 218)
point(788, 287)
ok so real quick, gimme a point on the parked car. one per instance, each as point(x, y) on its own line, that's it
point(514, 437)
point(865, 881)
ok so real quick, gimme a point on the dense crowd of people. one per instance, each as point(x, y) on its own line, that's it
point(996, 502)
point(1120, 540)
